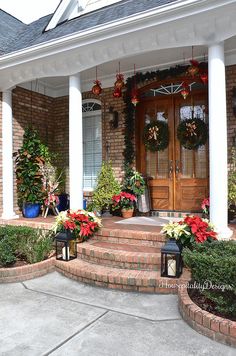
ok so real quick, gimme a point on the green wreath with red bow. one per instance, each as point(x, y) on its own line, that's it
point(192, 133)
point(156, 136)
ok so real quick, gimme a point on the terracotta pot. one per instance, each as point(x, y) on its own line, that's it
point(127, 213)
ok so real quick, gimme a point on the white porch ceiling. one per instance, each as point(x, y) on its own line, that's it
point(159, 59)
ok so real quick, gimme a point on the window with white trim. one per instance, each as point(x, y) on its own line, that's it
point(92, 142)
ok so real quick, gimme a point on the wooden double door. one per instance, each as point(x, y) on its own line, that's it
point(178, 178)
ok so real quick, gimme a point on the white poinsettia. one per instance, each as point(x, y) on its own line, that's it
point(175, 230)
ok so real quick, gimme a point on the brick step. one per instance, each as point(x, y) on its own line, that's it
point(120, 255)
point(131, 237)
point(173, 214)
point(114, 278)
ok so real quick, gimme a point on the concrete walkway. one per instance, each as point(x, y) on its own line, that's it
point(53, 315)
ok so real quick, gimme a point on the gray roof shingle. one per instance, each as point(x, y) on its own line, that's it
point(34, 34)
point(9, 28)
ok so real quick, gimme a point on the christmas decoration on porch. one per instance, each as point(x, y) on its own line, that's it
point(192, 133)
point(156, 136)
point(96, 89)
point(119, 84)
point(158, 75)
point(194, 68)
point(185, 90)
point(203, 72)
point(134, 92)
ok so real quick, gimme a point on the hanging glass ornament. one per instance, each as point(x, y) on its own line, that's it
point(194, 68)
point(96, 89)
point(119, 83)
point(185, 90)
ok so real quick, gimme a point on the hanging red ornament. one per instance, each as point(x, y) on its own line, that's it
point(96, 89)
point(134, 95)
point(119, 83)
point(185, 90)
point(117, 93)
point(204, 77)
point(194, 68)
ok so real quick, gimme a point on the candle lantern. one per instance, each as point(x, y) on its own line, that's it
point(65, 246)
point(171, 259)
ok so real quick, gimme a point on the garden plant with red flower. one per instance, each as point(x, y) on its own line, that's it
point(81, 223)
point(192, 229)
point(124, 201)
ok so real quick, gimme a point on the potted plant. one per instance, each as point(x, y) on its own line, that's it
point(133, 182)
point(106, 187)
point(28, 160)
point(125, 202)
point(81, 224)
point(192, 229)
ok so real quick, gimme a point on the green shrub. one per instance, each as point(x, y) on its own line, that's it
point(213, 267)
point(106, 187)
point(32, 245)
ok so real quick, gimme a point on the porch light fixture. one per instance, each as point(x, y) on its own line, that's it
point(65, 246)
point(171, 259)
point(234, 100)
point(113, 118)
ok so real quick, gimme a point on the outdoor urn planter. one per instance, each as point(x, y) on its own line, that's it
point(31, 210)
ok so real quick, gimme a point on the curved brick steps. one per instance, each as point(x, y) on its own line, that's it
point(116, 278)
point(124, 256)
point(134, 237)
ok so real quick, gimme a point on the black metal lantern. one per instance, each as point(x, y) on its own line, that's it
point(171, 259)
point(65, 246)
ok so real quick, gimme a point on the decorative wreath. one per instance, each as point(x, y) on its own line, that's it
point(156, 136)
point(192, 133)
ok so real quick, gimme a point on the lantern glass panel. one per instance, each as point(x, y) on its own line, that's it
point(65, 247)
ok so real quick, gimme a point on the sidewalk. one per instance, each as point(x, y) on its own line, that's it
point(53, 315)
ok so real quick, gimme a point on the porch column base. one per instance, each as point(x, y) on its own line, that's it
point(9, 216)
point(225, 234)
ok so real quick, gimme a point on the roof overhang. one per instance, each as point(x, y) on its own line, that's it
point(184, 23)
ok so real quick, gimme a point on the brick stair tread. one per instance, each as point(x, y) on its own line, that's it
point(117, 276)
point(117, 249)
point(129, 234)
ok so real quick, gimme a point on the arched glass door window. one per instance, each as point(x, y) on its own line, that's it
point(92, 142)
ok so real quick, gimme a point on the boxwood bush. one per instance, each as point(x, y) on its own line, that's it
point(213, 267)
point(24, 243)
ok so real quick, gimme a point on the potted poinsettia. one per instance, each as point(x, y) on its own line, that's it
point(80, 223)
point(192, 229)
point(125, 202)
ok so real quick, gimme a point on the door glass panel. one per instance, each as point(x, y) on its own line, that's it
point(193, 163)
point(156, 162)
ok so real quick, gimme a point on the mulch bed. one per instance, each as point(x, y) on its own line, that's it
point(206, 304)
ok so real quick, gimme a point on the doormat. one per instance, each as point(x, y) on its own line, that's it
point(144, 220)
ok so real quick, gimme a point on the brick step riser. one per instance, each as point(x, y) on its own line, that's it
point(154, 266)
point(129, 241)
point(99, 282)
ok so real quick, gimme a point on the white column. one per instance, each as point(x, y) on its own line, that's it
point(7, 159)
point(75, 142)
point(218, 140)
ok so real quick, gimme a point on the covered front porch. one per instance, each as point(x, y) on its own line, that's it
point(63, 79)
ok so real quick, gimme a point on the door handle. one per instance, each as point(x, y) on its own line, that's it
point(170, 169)
point(177, 168)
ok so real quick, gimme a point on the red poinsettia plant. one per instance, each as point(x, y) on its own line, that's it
point(192, 229)
point(81, 223)
point(124, 201)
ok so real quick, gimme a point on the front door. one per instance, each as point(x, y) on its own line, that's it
point(178, 177)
